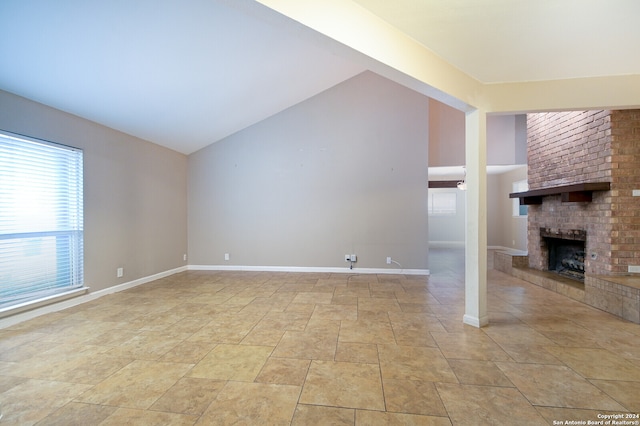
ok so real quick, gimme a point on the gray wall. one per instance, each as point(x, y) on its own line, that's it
point(343, 172)
point(508, 230)
point(506, 137)
point(446, 135)
point(135, 213)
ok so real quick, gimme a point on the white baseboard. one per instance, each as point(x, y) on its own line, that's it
point(332, 270)
point(475, 321)
point(36, 309)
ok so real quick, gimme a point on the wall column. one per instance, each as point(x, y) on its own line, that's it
point(475, 313)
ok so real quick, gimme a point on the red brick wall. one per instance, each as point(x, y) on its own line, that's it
point(625, 176)
point(568, 147)
point(591, 146)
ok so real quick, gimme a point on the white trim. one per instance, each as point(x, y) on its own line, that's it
point(332, 270)
point(43, 301)
point(475, 321)
point(37, 310)
point(135, 283)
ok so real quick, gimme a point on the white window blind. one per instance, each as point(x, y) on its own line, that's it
point(41, 214)
point(442, 203)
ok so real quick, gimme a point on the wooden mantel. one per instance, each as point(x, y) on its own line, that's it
point(580, 192)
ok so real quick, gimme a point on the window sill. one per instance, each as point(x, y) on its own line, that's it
point(37, 303)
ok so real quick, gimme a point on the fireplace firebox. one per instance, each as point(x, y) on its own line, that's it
point(565, 251)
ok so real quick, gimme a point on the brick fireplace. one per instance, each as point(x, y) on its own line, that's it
point(569, 154)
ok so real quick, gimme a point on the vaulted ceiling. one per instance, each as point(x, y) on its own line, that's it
point(185, 74)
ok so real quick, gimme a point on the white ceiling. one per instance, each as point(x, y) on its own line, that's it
point(182, 77)
point(185, 74)
point(458, 172)
point(498, 41)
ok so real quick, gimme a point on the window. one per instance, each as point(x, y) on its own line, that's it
point(442, 203)
point(519, 186)
point(41, 230)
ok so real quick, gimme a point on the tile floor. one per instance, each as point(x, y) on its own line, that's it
point(251, 348)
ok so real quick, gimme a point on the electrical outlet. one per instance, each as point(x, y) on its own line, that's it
point(184, 257)
point(347, 258)
point(119, 272)
point(226, 256)
point(634, 268)
point(354, 258)
point(389, 260)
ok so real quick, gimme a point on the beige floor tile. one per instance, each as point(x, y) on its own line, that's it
point(530, 354)
point(301, 307)
point(623, 343)
point(335, 312)
point(225, 329)
point(408, 335)
point(284, 371)
point(7, 382)
point(469, 345)
point(410, 307)
point(10, 339)
point(572, 339)
point(484, 405)
point(597, 363)
point(295, 321)
point(481, 373)
point(352, 292)
point(366, 331)
point(342, 384)
point(414, 363)
point(252, 404)
point(313, 297)
point(556, 386)
point(128, 416)
point(320, 415)
point(415, 321)
point(26, 350)
point(377, 305)
point(373, 418)
point(188, 352)
point(263, 337)
point(413, 397)
point(189, 396)
point(93, 371)
point(307, 345)
point(138, 385)
point(417, 295)
point(331, 327)
point(188, 325)
point(232, 362)
point(146, 345)
point(344, 300)
point(54, 363)
point(32, 400)
point(75, 413)
point(626, 393)
point(357, 352)
point(514, 334)
point(114, 337)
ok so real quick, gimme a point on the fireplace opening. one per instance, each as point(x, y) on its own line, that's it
point(566, 252)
